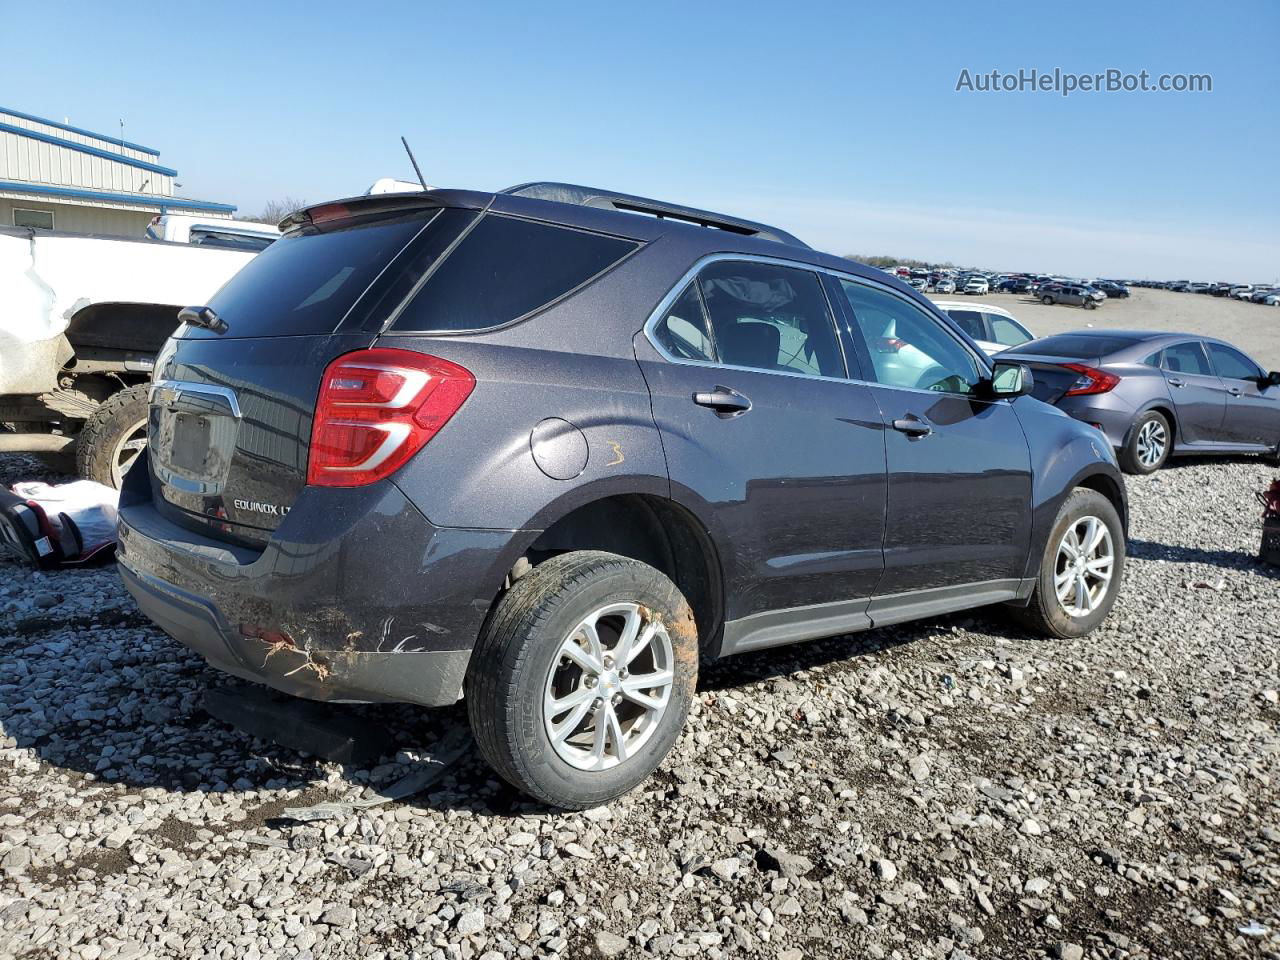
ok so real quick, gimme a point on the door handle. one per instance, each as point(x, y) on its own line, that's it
point(724, 401)
point(912, 426)
point(1174, 382)
point(1235, 391)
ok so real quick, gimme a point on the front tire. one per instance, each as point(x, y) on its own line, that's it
point(1148, 446)
point(1047, 300)
point(113, 437)
point(1081, 569)
point(582, 678)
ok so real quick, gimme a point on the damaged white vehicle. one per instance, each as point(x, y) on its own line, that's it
point(81, 320)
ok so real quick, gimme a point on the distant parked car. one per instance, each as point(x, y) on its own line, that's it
point(1071, 294)
point(1272, 299)
point(1113, 290)
point(976, 286)
point(1156, 395)
point(945, 285)
point(993, 328)
point(919, 283)
point(1259, 294)
point(212, 232)
point(1014, 285)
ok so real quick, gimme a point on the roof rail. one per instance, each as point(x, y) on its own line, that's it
point(612, 200)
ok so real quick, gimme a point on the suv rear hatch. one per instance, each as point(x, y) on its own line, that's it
point(231, 413)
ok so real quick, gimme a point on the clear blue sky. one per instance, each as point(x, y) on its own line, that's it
point(834, 120)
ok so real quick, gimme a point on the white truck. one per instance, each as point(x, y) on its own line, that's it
point(81, 320)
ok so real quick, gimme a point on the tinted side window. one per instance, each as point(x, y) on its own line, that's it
point(506, 268)
point(770, 318)
point(683, 331)
point(1186, 358)
point(970, 321)
point(909, 348)
point(1232, 363)
point(1005, 332)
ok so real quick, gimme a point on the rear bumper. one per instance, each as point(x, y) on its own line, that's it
point(430, 678)
point(356, 597)
point(1102, 411)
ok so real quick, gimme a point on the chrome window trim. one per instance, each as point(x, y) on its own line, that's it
point(665, 304)
point(182, 386)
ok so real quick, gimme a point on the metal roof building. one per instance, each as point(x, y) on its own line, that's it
point(59, 177)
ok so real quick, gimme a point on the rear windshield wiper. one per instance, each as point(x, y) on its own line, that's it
point(203, 317)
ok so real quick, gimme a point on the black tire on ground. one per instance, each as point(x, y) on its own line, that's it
point(110, 438)
point(1047, 300)
point(519, 648)
point(1044, 613)
point(1090, 305)
point(1129, 460)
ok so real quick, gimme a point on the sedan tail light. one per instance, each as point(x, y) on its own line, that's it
point(1091, 380)
point(376, 409)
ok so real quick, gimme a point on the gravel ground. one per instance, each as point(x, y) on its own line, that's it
point(953, 788)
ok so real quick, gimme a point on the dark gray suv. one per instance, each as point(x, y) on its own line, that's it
point(550, 449)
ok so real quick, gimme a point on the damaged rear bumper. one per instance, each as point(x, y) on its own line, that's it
point(356, 597)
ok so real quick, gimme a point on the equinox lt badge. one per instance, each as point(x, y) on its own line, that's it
point(255, 506)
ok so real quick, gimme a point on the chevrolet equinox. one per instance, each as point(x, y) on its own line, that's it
point(549, 449)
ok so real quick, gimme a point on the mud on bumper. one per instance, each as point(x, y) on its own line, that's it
point(357, 597)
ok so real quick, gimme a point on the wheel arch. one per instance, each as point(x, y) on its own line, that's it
point(646, 527)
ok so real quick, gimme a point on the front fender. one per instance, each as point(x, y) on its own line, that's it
point(1065, 454)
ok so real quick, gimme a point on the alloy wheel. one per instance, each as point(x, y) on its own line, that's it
point(608, 687)
point(1082, 572)
point(1151, 443)
point(127, 451)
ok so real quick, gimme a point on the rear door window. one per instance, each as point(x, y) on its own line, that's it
point(305, 282)
point(770, 317)
point(1007, 332)
point(1187, 357)
point(505, 269)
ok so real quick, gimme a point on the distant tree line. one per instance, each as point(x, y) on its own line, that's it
point(885, 261)
point(273, 211)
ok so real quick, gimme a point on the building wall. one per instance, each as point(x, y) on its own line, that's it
point(23, 158)
point(71, 218)
point(77, 136)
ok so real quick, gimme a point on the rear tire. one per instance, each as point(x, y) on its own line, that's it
point(1148, 446)
point(1090, 305)
point(1047, 300)
point(113, 436)
point(1046, 612)
point(537, 709)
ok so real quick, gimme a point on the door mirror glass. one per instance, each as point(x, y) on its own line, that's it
point(1272, 379)
point(1011, 379)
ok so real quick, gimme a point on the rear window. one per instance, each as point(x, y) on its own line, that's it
point(1073, 345)
point(305, 283)
point(505, 269)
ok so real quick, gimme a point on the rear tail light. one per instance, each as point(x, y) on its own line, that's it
point(1091, 380)
point(376, 409)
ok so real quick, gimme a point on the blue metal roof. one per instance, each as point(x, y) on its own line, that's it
point(83, 133)
point(85, 148)
point(139, 199)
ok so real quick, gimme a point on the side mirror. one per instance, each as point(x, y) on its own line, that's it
point(1010, 379)
point(1272, 379)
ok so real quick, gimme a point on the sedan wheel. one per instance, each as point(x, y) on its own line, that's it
point(1149, 444)
point(1046, 300)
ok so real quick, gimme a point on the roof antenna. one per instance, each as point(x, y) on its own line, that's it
point(416, 169)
